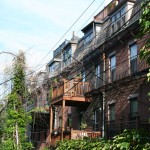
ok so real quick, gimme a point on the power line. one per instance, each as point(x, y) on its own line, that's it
point(85, 48)
point(106, 41)
point(65, 33)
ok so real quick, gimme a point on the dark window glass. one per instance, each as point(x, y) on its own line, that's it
point(113, 67)
point(133, 58)
point(133, 108)
point(112, 112)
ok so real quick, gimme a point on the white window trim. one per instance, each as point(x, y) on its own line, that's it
point(133, 96)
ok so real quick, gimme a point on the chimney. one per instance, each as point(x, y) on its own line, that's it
point(73, 35)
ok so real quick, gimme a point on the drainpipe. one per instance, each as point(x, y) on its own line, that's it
point(104, 78)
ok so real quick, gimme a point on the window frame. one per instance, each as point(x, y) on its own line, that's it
point(133, 113)
point(112, 68)
point(67, 56)
point(97, 75)
point(134, 58)
point(96, 119)
point(112, 115)
point(118, 19)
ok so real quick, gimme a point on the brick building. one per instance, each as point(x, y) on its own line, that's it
point(113, 80)
point(97, 83)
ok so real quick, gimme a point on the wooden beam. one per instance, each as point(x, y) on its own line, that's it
point(63, 123)
point(51, 123)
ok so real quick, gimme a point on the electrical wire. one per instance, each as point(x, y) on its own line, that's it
point(65, 34)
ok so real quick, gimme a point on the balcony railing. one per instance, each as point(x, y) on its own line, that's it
point(70, 88)
point(80, 134)
point(74, 134)
point(116, 128)
point(127, 19)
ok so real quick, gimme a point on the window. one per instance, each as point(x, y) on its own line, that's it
point(112, 28)
point(97, 74)
point(83, 76)
point(113, 18)
point(133, 108)
point(133, 58)
point(113, 67)
point(69, 121)
point(96, 119)
point(123, 11)
point(53, 67)
point(67, 57)
point(60, 121)
point(112, 112)
point(118, 15)
point(118, 20)
point(88, 39)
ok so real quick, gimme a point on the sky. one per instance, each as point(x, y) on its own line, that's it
point(35, 26)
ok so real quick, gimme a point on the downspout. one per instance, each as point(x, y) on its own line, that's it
point(103, 109)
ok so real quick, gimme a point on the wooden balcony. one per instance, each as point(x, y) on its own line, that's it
point(70, 91)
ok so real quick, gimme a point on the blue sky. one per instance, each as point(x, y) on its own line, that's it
point(34, 26)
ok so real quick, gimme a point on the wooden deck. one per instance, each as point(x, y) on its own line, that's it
point(71, 92)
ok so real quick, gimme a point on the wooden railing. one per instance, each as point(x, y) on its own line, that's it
point(71, 88)
point(80, 134)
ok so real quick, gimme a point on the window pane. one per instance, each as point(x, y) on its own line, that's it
point(133, 58)
point(133, 108)
point(118, 15)
point(113, 18)
point(122, 10)
point(97, 71)
point(83, 76)
point(112, 61)
point(96, 119)
point(133, 51)
point(112, 112)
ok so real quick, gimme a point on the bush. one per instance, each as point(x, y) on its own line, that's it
point(128, 140)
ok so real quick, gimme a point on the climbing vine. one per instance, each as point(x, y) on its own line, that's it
point(14, 133)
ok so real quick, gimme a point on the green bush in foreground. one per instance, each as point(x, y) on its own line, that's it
point(128, 140)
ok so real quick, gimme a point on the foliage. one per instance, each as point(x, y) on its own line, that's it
point(128, 140)
point(16, 119)
point(145, 30)
point(50, 94)
point(86, 144)
point(83, 125)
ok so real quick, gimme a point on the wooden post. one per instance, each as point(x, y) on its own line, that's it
point(51, 123)
point(63, 110)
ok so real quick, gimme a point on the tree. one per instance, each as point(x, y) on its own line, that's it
point(145, 30)
point(16, 120)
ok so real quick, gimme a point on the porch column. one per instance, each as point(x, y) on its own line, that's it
point(63, 111)
point(51, 123)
